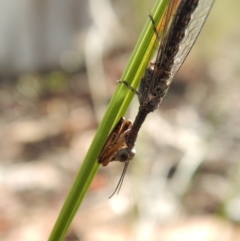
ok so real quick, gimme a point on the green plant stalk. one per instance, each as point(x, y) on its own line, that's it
point(116, 109)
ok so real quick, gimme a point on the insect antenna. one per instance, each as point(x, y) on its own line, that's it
point(119, 185)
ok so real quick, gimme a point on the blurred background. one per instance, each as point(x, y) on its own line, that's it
point(59, 63)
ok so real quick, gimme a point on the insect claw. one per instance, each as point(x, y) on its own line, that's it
point(128, 86)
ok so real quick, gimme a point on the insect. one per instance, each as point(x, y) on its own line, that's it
point(179, 29)
point(183, 21)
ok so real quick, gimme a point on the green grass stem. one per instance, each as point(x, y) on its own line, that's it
point(116, 109)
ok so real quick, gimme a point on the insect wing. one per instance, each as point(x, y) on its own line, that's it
point(198, 19)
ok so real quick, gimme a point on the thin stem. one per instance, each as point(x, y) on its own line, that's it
point(116, 109)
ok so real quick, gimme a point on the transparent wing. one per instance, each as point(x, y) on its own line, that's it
point(197, 21)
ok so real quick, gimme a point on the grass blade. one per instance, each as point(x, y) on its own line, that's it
point(116, 109)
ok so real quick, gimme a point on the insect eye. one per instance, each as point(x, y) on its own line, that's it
point(125, 155)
